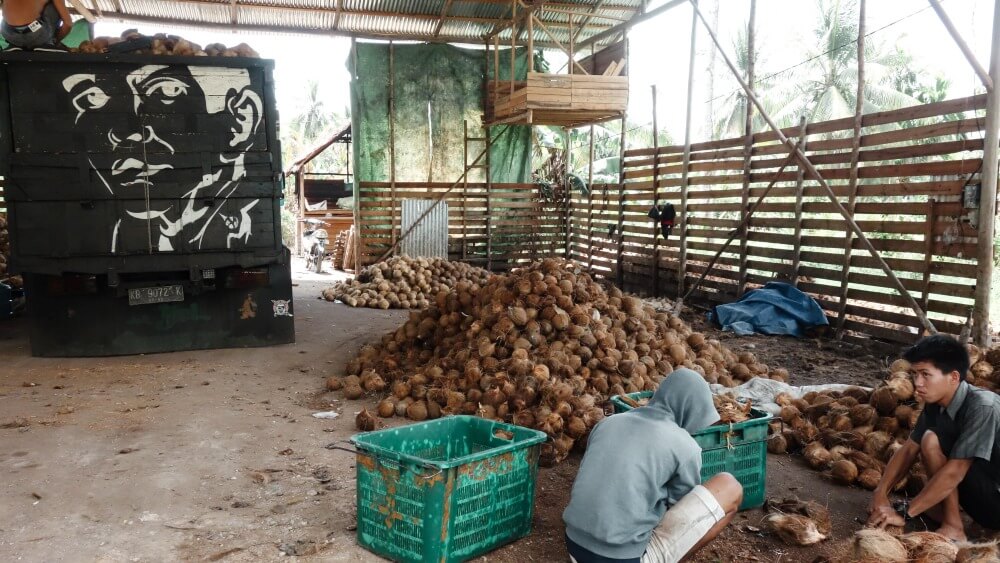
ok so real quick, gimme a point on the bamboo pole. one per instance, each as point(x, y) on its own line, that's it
point(620, 273)
point(815, 174)
point(590, 204)
point(969, 56)
point(741, 283)
point(799, 193)
point(686, 164)
point(392, 141)
point(986, 304)
point(845, 279)
point(656, 198)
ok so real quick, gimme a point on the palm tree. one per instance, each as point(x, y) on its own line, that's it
point(828, 83)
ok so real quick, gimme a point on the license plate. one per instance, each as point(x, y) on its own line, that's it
point(160, 294)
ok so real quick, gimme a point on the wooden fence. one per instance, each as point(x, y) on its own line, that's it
point(913, 167)
point(495, 226)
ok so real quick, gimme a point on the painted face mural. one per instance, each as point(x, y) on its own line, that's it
point(173, 143)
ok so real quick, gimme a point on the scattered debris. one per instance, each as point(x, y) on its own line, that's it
point(127, 450)
point(16, 423)
point(328, 415)
point(286, 451)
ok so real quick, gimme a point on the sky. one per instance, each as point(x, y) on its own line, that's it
point(658, 52)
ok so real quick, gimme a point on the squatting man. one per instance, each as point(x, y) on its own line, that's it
point(638, 497)
point(955, 438)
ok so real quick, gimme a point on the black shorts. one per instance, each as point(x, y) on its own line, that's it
point(979, 491)
point(979, 495)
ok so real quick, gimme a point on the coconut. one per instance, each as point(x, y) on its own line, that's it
point(929, 547)
point(884, 400)
point(810, 509)
point(793, 529)
point(887, 424)
point(386, 408)
point(869, 478)
point(366, 421)
point(899, 365)
point(902, 387)
point(978, 553)
point(333, 383)
point(876, 443)
point(903, 414)
point(982, 370)
point(777, 444)
point(352, 392)
point(816, 455)
point(417, 411)
point(878, 545)
point(844, 472)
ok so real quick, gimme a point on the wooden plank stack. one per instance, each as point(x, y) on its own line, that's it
point(559, 99)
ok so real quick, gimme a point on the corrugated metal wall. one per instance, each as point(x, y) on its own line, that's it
point(430, 237)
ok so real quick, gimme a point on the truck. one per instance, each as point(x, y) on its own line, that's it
point(144, 199)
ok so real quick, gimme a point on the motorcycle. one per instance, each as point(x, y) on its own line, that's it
point(314, 239)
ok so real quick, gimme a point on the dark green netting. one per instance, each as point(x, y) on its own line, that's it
point(450, 79)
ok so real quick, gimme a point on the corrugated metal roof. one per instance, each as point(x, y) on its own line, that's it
point(459, 21)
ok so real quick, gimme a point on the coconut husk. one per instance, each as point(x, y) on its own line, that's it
point(876, 443)
point(366, 421)
point(793, 529)
point(978, 553)
point(899, 365)
point(844, 472)
point(777, 444)
point(816, 455)
point(808, 508)
point(869, 478)
point(862, 415)
point(902, 387)
point(929, 547)
point(884, 401)
point(878, 545)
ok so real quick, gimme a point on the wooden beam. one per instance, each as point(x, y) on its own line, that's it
point(83, 10)
point(586, 20)
point(637, 19)
point(97, 8)
point(815, 174)
point(568, 52)
point(853, 181)
point(969, 55)
point(799, 194)
point(656, 198)
point(444, 14)
point(986, 301)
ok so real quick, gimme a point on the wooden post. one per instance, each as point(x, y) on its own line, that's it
point(799, 193)
point(656, 198)
point(513, 39)
point(816, 175)
point(300, 194)
point(686, 162)
point(741, 284)
point(620, 273)
point(489, 203)
point(567, 187)
point(392, 140)
point(590, 204)
point(987, 304)
point(845, 270)
point(571, 60)
point(465, 186)
point(928, 251)
point(531, 41)
point(969, 56)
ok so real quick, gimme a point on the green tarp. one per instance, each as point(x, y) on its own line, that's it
point(437, 88)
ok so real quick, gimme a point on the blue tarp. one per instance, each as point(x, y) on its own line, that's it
point(776, 308)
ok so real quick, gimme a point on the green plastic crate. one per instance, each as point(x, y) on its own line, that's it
point(740, 450)
point(445, 490)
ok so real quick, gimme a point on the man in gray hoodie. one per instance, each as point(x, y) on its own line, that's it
point(638, 496)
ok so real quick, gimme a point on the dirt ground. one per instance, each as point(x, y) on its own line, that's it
point(214, 455)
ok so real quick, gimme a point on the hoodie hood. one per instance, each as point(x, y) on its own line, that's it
point(684, 397)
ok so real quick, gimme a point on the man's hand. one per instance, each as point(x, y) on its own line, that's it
point(879, 499)
point(884, 516)
point(64, 30)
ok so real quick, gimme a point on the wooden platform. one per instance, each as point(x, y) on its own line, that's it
point(557, 99)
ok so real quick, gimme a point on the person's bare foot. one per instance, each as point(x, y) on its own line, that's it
point(952, 533)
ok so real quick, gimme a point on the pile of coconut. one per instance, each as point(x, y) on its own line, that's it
point(851, 434)
point(543, 347)
point(879, 546)
point(985, 371)
point(405, 283)
point(162, 44)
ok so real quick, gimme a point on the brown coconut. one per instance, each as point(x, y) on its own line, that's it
point(929, 547)
point(902, 387)
point(899, 365)
point(876, 443)
point(884, 401)
point(777, 444)
point(878, 545)
point(862, 415)
point(793, 529)
point(352, 392)
point(334, 383)
point(808, 508)
point(816, 455)
point(386, 408)
point(869, 478)
point(844, 472)
point(978, 553)
point(366, 421)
